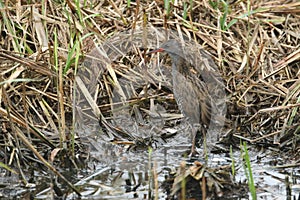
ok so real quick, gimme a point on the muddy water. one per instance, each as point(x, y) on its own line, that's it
point(122, 174)
point(117, 173)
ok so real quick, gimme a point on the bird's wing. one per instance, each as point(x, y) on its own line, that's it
point(205, 102)
point(186, 97)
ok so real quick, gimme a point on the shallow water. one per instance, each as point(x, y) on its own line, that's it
point(130, 169)
point(118, 173)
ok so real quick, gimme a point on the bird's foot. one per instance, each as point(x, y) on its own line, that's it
point(194, 154)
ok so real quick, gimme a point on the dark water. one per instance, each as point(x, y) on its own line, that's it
point(114, 172)
point(117, 172)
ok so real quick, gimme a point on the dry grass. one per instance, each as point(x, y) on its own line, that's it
point(255, 46)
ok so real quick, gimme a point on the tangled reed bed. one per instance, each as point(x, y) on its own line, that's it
point(256, 48)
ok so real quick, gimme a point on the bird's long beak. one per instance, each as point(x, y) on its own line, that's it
point(156, 50)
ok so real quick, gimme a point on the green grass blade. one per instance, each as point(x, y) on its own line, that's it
point(248, 172)
point(55, 51)
point(167, 6)
point(232, 22)
point(10, 27)
point(4, 166)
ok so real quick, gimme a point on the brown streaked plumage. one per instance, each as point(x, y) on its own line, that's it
point(189, 90)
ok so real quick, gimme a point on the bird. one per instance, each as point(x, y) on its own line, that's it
point(189, 89)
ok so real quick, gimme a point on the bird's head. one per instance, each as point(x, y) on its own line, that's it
point(171, 46)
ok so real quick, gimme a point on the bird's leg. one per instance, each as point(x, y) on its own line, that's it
point(205, 151)
point(193, 149)
point(202, 130)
